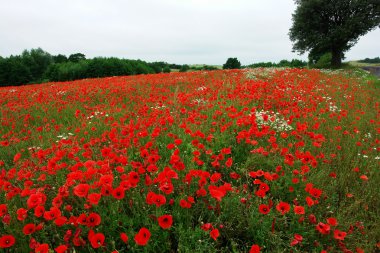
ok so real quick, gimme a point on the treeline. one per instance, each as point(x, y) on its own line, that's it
point(369, 60)
point(295, 63)
point(36, 66)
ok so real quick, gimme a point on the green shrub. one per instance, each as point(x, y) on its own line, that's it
point(166, 69)
point(323, 62)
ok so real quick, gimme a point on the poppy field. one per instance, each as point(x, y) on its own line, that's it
point(264, 160)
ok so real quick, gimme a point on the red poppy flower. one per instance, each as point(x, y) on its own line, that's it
point(60, 221)
point(106, 190)
point(214, 233)
point(118, 193)
point(124, 237)
point(315, 192)
point(217, 192)
point(16, 157)
point(94, 198)
point(299, 210)
point(339, 235)
point(133, 178)
point(310, 201)
point(142, 237)
point(7, 241)
point(22, 213)
point(184, 204)
point(34, 200)
point(332, 221)
point(283, 207)
point(297, 239)
point(264, 187)
point(97, 240)
point(3, 209)
point(229, 162)
point(93, 219)
point(52, 214)
point(42, 248)
point(323, 228)
point(255, 249)
point(29, 229)
point(264, 209)
point(81, 190)
point(165, 221)
point(159, 200)
point(61, 249)
point(206, 227)
point(106, 180)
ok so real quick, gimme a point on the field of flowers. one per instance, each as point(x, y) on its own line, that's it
point(266, 160)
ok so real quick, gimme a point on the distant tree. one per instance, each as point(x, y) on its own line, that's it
point(3, 71)
point(373, 60)
point(174, 66)
point(41, 61)
point(322, 26)
point(232, 63)
point(52, 72)
point(209, 67)
point(284, 63)
point(166, 69)
point(157, 66)
point(77, 57)
point(141, 67)
point(184, 68)
point(37, 65)
point(19, 72)
point(295, 63)
point(26, 68)
point(60, 58)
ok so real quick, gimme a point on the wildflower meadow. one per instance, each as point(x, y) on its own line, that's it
point(264, 160)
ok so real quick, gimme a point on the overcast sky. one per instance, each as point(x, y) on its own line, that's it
point(175, 31)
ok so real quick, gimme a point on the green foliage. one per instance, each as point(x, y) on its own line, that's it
point(166, 69)
point(60, 58)
point(321, 26)
point(184, 68)
point(37, 65)
point(37, 61)
point(203, 67)
point(324, 62)
point(77, 57)
point(232, 63)
point(97, 67)
point(175, 66)
point(209, 67)
point(295, 63)
point(369, 60)
point(25, 68)
point(157, 66)
point(18, 70)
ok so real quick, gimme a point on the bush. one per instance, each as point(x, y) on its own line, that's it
point(232, 63)
point(184, 68)
point(166, 69)
point(323, 62)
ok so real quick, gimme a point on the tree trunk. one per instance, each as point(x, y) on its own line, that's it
point(336, 59)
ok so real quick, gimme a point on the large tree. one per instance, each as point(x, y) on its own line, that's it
point(332, 26)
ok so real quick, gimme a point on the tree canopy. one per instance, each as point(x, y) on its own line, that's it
point(232, 63)
point(36, 65)
point(332, 26)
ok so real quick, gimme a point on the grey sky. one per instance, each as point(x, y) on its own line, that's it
point(177, 31)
